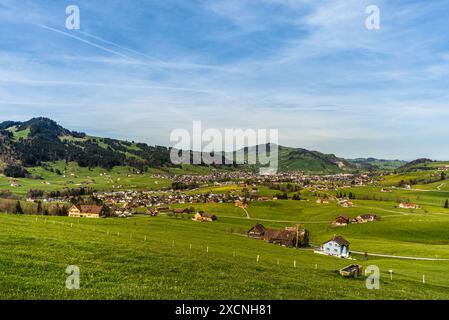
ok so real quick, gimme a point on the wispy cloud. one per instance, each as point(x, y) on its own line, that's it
point(139, 69)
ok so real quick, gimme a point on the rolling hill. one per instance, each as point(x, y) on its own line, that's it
point(41, 140)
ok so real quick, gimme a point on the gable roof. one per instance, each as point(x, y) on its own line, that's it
point(91, 209)
point(340, 240)
point(367, 216)
point(258, 227)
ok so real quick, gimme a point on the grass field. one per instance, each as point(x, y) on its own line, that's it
point(116, 261)
point(175, 258)
point(73, 176)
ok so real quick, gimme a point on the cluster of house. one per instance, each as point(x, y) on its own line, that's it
point(288, 237)
point(94, 211)
point(122, 202)
point(312, 182)
point(344, 220)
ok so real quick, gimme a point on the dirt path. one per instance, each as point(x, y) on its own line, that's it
point(279, 221)
point(399, 257)
point(247, 213)
point(426, 190)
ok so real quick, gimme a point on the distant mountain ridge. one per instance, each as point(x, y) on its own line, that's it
point(41, 140)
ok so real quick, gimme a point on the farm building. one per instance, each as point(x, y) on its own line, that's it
point(322, 201)
point(353, 270)
point(341, 221)
point(15, 184)
point(240, 204)
point(86, 211)
point(257, 231)
point(337, 246)
point(204, 217)
point(346, 203)
point(181, 210)
point(364, 218)
point(287, 238)
point(408, 206)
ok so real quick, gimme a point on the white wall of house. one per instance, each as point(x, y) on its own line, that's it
point(334, 249)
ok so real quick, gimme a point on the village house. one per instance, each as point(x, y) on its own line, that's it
point(204, 217)
point(341, 221)
point(322, 201)
point(290, 237)
point(84, 211)
point(181, 210)
point(337, 246)
point(408, 206)
point(346, 203)
point(14, 183)
point(257, 231)
point(364, 218)
point(240, 204)
point(163, 209)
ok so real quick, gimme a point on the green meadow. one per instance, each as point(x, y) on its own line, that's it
point(168, 257)
point(73, 176)
point(176, 258)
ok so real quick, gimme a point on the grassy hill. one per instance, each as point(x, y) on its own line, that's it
point(373, 163)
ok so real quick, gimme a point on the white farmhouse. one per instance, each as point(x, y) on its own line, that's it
point(337, 246)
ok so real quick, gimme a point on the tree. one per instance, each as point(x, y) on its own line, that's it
point(39, 207)
point(19, 209)
point(446, 204)
point(443, 175)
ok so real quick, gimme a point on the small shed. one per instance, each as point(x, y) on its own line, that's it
point(351, 271)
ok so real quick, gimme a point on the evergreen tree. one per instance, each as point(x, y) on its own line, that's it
point(19, 209)
point(39, 207)
point(446, 204)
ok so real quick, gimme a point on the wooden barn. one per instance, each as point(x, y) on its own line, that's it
point(257, 231)
point(341, 220)
point(287, 238)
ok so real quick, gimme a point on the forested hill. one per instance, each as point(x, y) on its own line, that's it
point(41, 140)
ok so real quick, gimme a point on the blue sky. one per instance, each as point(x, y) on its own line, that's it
point(139, 69)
